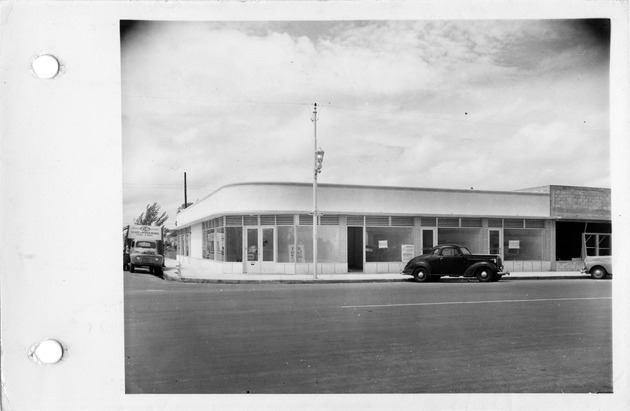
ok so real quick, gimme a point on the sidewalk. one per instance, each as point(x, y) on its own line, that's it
point(189, 274)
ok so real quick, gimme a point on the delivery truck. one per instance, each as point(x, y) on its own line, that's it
point(143, 246)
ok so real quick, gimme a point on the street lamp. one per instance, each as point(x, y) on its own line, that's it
point(318, 159)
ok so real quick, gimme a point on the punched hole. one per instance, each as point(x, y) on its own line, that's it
point(45, 66)
point(47, 352)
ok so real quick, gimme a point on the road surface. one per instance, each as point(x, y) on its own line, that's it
point(519, 336)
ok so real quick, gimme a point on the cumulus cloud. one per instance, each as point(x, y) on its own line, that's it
point(456, 104)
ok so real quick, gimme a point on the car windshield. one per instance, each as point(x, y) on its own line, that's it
point(465, 251)
point(145, 244)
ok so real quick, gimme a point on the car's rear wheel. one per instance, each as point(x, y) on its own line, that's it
point(132, 268)
point(421, 275)
point(598, 273)
point(484, 275)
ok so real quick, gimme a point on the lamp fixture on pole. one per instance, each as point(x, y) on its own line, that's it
point(319, 159)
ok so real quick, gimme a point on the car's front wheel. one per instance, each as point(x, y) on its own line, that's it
point(421, 275)
point(484, 275)
point(598, 273)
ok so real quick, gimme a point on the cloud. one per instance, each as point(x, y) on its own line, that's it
point(490, 104)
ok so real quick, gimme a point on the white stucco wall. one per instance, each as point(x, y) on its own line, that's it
point(281, 198)
point(196, 241)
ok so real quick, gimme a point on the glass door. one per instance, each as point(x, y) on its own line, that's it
point(252, 249)
point(260, 249)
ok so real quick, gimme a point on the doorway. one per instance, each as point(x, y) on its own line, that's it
point(355, 249)
point(428, 239)
point(259, 248)
point(577, 239)
point(494, 242)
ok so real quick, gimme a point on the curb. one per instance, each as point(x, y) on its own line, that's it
point(550, 277)
point(279, 281)
point(340, 281)
point(212, 281)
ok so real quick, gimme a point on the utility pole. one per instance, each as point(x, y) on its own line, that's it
point(185, 192)
point(318, 159)
point(315, 172)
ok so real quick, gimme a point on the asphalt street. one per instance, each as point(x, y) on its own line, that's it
point(551, 336)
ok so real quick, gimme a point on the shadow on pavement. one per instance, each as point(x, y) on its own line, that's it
point(146, 271)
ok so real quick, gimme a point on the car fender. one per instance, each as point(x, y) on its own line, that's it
point(472, 270)
point(422, 264)
point(602, 266)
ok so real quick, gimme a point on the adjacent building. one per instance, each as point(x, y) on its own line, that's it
point(268, 227)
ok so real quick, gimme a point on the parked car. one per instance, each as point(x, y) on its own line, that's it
point(598, 267)
point(455, 260)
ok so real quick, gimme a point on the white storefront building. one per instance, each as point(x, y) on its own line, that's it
point(268, 227)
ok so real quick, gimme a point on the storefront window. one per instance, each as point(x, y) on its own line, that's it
point(597, 244)
point(327, 243)
point(304, 250)
point(468, 237)
point(219, 244)
point(233, 243)
point(208, 244)
point(268, 244)
point(183, 238)
point(523, 244)
point(286, 244)
point(213, 243)
point(384, 244)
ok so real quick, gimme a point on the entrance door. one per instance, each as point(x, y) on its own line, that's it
point(260, 249)
point(428, 240)
point(355, 248)
point(252, 249)
point(494, 242)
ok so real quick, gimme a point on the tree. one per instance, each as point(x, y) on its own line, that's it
point(152, 216)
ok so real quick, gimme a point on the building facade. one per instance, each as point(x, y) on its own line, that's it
point(268, 227)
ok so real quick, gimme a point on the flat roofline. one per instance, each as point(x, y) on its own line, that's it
point(548, 188)
point(358, 186)
point(330, 185)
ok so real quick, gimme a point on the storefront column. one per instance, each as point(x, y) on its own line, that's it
point(552, 243)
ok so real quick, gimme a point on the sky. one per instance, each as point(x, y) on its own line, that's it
point(457, 104)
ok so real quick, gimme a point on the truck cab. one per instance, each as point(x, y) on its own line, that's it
point(143, 246)
point(144, 253)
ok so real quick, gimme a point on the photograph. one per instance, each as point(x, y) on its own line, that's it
point(367, 206)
